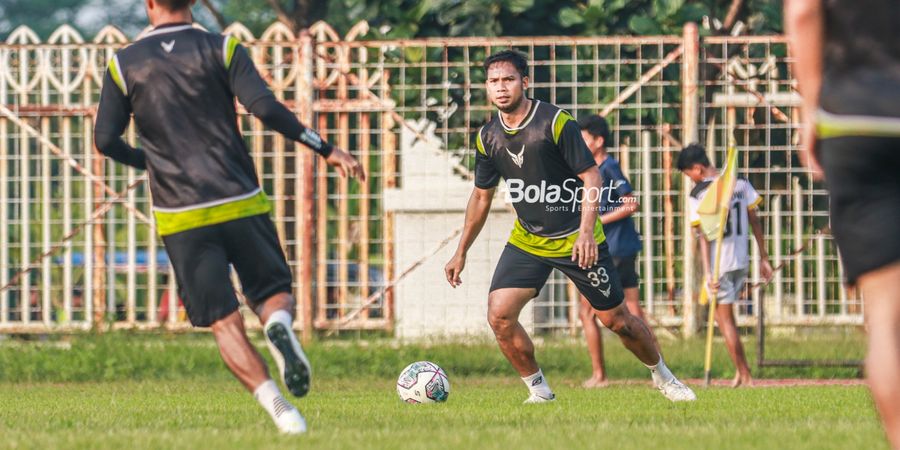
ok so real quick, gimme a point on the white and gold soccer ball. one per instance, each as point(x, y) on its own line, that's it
point(423, 382)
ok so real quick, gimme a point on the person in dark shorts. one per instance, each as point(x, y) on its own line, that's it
point(553, 183)
point(617, 205)
point(180, 85)
point(847, 64)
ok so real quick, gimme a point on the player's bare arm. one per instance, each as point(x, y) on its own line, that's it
point(804, 23)
point(585, 250)
point(705, 259)
point(765, 267)
point(476, 214)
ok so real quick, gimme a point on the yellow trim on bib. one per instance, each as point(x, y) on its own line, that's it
point(175, 222)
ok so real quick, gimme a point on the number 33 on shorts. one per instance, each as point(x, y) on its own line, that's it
point(598, 278)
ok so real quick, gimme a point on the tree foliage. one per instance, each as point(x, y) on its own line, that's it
point(42, 16)
point(419, 18)
point(425, 18)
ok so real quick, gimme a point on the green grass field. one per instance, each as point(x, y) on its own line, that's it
point(139, 391)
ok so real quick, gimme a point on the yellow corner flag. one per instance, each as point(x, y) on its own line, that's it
point(713, 212)
point(713, 209)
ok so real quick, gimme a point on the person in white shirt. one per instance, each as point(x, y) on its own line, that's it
point(735, 261)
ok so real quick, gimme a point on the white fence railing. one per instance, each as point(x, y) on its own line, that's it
point(77, 249)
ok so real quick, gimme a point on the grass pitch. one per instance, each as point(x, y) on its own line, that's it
point(164, 391)
point(482, 413)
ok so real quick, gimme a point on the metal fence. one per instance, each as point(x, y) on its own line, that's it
point(77, 249)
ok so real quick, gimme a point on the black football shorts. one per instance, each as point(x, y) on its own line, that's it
point(202, 256)
point(600, 284)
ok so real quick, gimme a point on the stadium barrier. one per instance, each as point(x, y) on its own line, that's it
point(78, 251)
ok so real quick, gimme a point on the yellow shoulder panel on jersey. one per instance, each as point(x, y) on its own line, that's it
point(115, 71)
point(479, 144)
point(228, 47)
point(559, 122)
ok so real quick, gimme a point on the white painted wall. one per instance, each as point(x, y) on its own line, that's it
point(428, 207)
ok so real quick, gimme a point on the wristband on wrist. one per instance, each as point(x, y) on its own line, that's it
point(312, 140)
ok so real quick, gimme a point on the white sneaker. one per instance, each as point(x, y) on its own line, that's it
point(293, 367)
point(677, 391)
point(287, 418)
point(534, 398)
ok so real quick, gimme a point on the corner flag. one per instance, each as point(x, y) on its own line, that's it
point(713, 209)
point(713, 212)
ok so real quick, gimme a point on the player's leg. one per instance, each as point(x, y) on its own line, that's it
point(504, 306)
point(731, 285)
point(238, 353)
point(728, 328)
point(248, 366)
point(256, 254)
point(594, 337)
point(517, 279)
point(600, 284)
point(201, 268)
point(277, 315)
point(625, 267)
point(632, 332)
point(862, 182)
point(881, 294)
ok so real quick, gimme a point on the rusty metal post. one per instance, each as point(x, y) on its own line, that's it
point(365, 141)
point(389, 181)
point(321, 216)
point(99, 251)
point(668, 220)
point(305, 202)
point(690, 69)
point(343, 207)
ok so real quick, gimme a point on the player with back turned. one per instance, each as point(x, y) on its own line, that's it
point(847, 62)
point(180, 85)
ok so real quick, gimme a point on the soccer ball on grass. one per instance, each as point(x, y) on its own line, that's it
point(423, 382)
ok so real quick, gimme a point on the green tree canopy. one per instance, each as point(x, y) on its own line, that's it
point(417, 18)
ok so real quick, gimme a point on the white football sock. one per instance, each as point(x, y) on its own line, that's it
point(284, 414)
point(537, 384)
point(660, 373)
point(281, 316)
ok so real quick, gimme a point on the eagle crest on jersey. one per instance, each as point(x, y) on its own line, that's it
point(547, 226)
point(517, 158)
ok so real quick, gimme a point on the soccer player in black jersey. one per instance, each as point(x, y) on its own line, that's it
point(847, 62)
point(554, 185)
point(180, 84)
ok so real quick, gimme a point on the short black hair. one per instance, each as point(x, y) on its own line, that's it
point(174, 5)
point(692, 154)
point(596, 125)
point(517, 59)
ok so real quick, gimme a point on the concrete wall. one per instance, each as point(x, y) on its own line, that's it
point(428, 207)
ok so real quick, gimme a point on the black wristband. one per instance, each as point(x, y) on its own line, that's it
point(312, 140)
point(326, 150)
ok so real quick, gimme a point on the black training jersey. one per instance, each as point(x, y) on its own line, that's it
point(539, 160)
point(180, 83)
point(862, 58)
